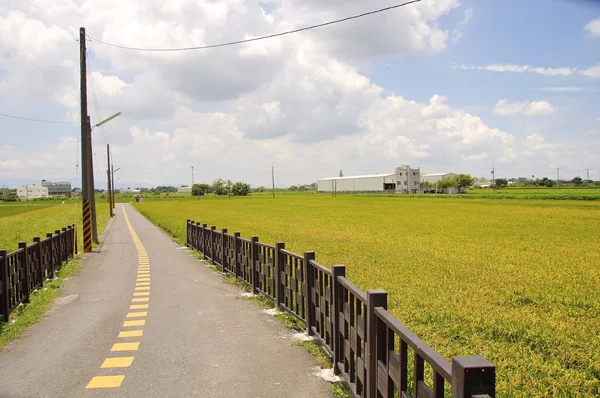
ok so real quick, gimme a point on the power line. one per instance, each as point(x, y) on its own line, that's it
point(36, 120)
point(231, 43)
point(95, 97)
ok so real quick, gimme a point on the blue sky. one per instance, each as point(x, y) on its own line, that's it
point(362, 96)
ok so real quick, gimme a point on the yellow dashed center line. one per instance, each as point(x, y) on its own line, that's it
point(140, 295)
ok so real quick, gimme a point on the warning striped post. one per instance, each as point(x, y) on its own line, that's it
point(87, 227)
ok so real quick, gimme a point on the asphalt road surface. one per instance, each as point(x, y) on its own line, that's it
point(113, 334)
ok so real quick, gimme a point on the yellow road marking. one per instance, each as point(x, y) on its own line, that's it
point(143, 280)
point(117, 362)
point(138, 306)
point(138, 314)
point(141, 293)
point(140, 288)
point(125, 347)
point(142, 284)
point(140, 299)
point(141, 322)
point(131, 333)
point(106, 382)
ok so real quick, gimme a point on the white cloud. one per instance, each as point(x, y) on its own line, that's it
point(593, 27)
point(525, 108)
point(593, 72)
point(569, 89)
point(458, 32)
point(562, 71)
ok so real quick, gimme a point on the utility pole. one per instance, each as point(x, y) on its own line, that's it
point(558, 176)
point(112, 182)
point(85, 164)
point(92, 186)
point(273, 178)
point(587, 171)
point(110, 206)
point(493, 176)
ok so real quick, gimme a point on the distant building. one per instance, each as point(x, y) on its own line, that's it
point(131, 190)
point(435, 178)
point(364, 183)
point(32, 192)
point(57, 188)
point(184, 190)
point(408, 179)
point(75, 191)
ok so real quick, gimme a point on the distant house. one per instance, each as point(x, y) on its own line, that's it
point(75, 191)
point(131, 190)
point(184, 190)
point(27, 192)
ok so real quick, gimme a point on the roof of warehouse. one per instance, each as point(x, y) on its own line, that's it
point(436, 174)
point(350, 177)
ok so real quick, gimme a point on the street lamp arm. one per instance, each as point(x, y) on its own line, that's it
point(108, 120)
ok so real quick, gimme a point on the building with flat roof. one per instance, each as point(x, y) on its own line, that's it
point(57, 188)
point(435, 178)
point(184, 190)
point(27, 192)
point(405, 179)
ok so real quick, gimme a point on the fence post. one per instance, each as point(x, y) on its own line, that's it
point(253, 262)
point(65, 244)
point(60, 247)
point(74, 232)
point(223, 252)
point(279, 264)
point(309, 274)
point(375, 298)
point(212, 244)
point(204, 250)
point(24, 265)
point(236, 254)
point(338, 271)
point(473, 376)
point(197, 236)
point(69, 243)
point(187, 235)
point(39, 266)
point(4, 304)
point(51, 254)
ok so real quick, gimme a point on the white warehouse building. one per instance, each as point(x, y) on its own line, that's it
point(32, 192)
point(366, 183)
point(405, 180)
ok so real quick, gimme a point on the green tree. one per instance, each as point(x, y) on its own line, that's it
point(293, 188)
point(501, 183)
point(200, 189)
point(241, 189)
point(219, 187)
point(428, 186)
point(464, 180)
point(577, 180)
point(260, 189)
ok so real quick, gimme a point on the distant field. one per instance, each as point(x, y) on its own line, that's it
point(517, 281)
point(37, 220)
point(13, 209)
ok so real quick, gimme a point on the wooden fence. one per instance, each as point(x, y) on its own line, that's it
point(371, 350)
point(25, 270)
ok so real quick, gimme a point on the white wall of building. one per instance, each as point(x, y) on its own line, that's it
point(368, 183)
point(31, 192)
point(184, 190)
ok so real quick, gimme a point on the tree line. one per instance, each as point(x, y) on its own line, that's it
point(222, 187)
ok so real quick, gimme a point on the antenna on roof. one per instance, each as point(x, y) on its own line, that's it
point(341, 174)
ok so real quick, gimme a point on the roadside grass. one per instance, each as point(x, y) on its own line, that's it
point(516, 281)
point(39, 304)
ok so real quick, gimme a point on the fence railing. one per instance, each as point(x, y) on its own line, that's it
point(25, 269)
point(369, 347)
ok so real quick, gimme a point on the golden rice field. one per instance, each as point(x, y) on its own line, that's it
point(516, 281)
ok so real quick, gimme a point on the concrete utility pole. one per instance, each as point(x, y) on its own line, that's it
point(110, 205)
point(557, 176)
point(85, 162)
point(273, 178)
point(587, 171)
point(493, 176)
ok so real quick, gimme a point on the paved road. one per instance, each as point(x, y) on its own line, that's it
point(190, 335)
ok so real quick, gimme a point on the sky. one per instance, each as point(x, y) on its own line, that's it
point(459, 86)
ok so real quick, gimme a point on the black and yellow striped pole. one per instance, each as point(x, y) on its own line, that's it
point(87, 227)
